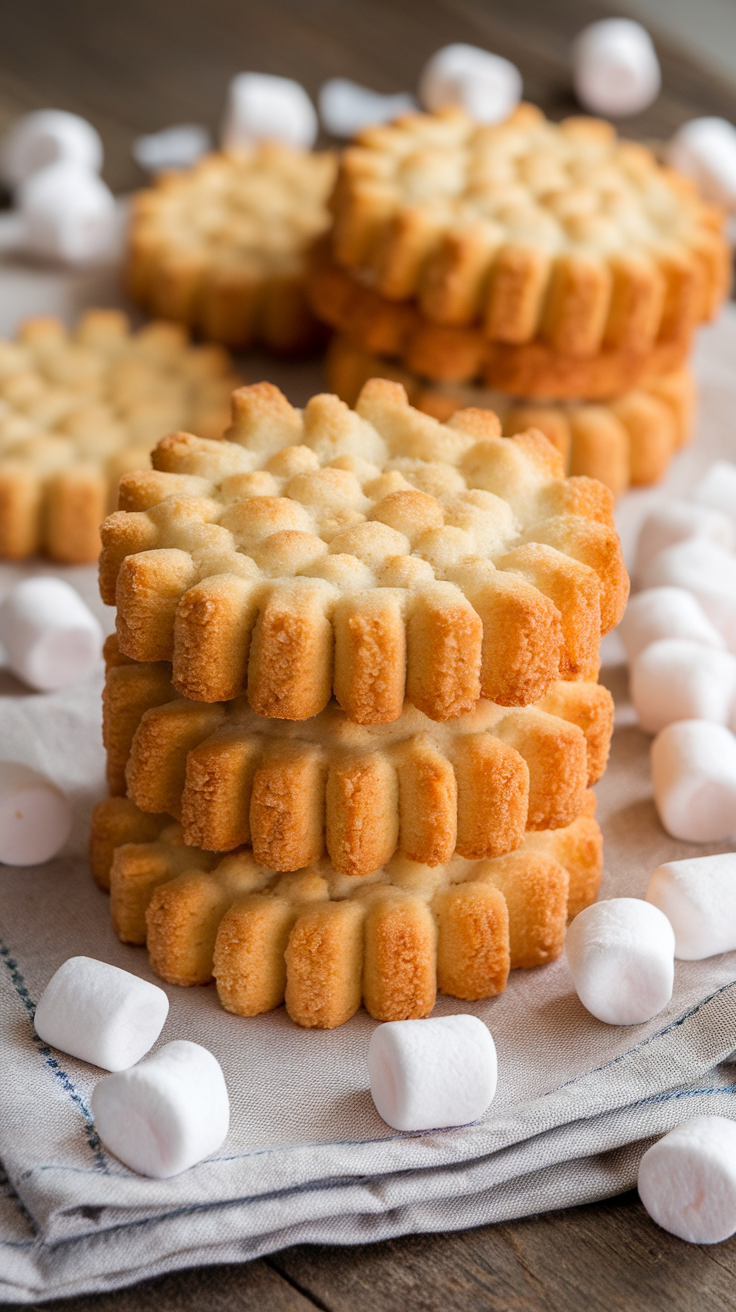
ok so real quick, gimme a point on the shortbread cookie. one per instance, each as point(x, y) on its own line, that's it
point(78, 410)
point(531, 230)
point(295, 790)
point(625, 441)
point(446, 353)
point(221, 246)
point(323, 942)
point(375, 553)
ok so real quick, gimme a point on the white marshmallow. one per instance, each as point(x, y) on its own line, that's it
point(694, 776)
point(676, 521)
point(698, 897)
point(430, 1074)
point(665, 613)
point(687, 1181)
point(345, 107)
point(486, 85)
point(262, 107)
point(615, 68)
point(68, 214)
point(35, 816)
point(173, 148)
point(717, 488)
point(100, 1014)
point(706, 570)
point(51, 638)
point(48, 136)
point(705, 150)
point(165, 1114)
point(621, 957)
point(678, 679)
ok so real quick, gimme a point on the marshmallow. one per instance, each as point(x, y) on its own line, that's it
point(345, 107)
point(261, 107)
point(428, 1074)
point(687, 1181)
point(487, 86)
point(165, 1114)
point(705, 150)
point(717, 488)
point(51, 638)
point(698, 897)
point(48, 136)
point(68, 214)
point(173, 148)
point(100, 1014)
point(676, 521)
point(621, 957)
point(694, 776)
point(35, 816)
point(615, 68)
point(665, 613)
point(678, 679)
point(706, 570)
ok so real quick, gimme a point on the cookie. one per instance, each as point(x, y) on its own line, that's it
point(530, 230)
point(323, 942)
point(221, 247)
point(79, 409)
point(296, 791)
point(626, 441)
point(375, 553)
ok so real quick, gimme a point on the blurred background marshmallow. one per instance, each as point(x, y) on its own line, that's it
point(487, 86)
point(615, 68)
point(261, 107)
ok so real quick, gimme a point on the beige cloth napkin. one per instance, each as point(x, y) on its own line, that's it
point(307, 1157)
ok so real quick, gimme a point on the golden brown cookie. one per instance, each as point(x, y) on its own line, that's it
point(221, 246)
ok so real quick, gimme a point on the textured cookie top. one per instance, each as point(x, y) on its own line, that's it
point(85, 396)
point(256, 208)
point(375, 520)
point(483, 222)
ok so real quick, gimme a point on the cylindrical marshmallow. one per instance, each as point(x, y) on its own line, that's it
point(706, 570)
point(615, 68)
point(694, 776)
point(51, 638)
point(717, 488)
point(35, 816)
point(705, 150)
point(68, 214)
point(665, 613)
point(676, 521)
point(678, 679)
point(621, 957)
point(486, 85)
point(100, 1013)
point(698, 897)
point(687, 1181)
point(165, 1114)
point(261, 107)
point(431, 1074)
point(345, 107)
point(172, 148)
point(48, 136)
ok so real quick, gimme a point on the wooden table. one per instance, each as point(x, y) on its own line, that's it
point(139, 65)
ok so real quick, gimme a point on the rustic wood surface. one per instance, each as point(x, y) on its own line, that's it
point(138, 66)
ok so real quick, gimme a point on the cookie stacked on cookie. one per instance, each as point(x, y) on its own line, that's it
point(550, 262)
point(351, 711)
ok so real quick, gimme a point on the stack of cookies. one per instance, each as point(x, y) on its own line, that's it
point(555, 272)
point(351, 712)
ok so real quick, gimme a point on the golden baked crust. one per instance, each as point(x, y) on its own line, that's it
point(375, 553)
point(295, 790)
point(78, 410)
point(323, 942)
point(626, 441)
point(451, 354)
point(532, 230)
point(220, 247)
